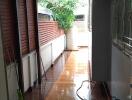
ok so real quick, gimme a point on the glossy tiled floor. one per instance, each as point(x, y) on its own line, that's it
point(65, 77)
point(74, 72)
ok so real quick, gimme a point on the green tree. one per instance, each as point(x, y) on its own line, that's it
point(63, 11)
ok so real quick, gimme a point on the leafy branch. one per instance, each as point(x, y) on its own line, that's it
point(63, 11)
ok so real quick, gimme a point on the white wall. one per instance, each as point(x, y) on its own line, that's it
point(90, 52)
point(81, 26)
point(26, 74)
point(46, 55)
point(49, 53)
point(3, 87)
point(57, 47)
point(29, 70)
point(12, 81)
point(33, 68)
point(82, 33)
point(120, 74)
point(29, 75)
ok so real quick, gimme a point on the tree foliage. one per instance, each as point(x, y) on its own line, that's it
point(63, 11)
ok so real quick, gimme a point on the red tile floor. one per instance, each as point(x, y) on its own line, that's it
point(65, 77)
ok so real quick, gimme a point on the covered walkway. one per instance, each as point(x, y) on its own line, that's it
point(65, 77)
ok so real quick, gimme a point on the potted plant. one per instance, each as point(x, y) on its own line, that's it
point(63, 13)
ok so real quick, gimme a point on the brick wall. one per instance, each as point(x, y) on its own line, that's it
point(23, 29)
point(8, 23)
point(31, 24)
point(48, 31)
point(26, 21)
point(26, 26)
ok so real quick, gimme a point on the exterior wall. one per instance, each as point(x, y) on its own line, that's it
point(26, 73)
point(29, 70)
point(57, 47)
point(22, 25)
point(29, 74)
point(3, 87)
point(82, 32)
point(90, 52)
point(49, 54)
point(27, 32)
point(120, 74)
point(8, 27)
point(82, 9)
point(46, 55)
point(33, 67)
point(101, 40)
point(52, 42)
point(48, 31)
point(12, 81)
point(90, 15)
point(81, 26)
point(31, 24)
point(7, 69)
point(51, 51)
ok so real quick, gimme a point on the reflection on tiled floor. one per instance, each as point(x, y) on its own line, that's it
point(74, 72)
point(65, 77)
